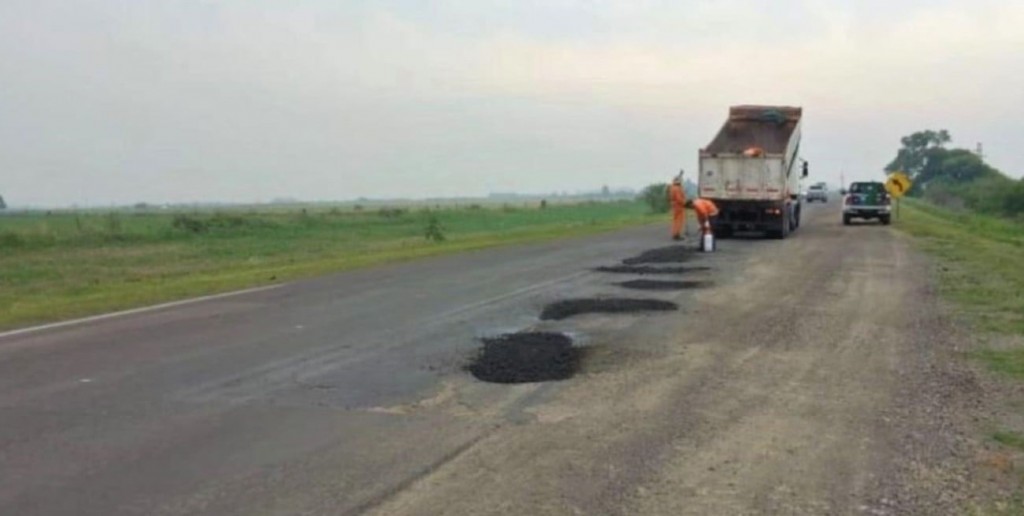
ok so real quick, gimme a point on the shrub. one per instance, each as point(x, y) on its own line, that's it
point(434, 232)
point(190, 224)
point(655, 196)
point(11, 239)
point(391, 213)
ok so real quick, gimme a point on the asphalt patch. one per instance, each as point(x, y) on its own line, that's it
point(526, 358)
point(647, 269)
point(670, 254)
point(643, 284)
point(569, 307)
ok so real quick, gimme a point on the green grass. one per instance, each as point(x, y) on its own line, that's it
point(61, 265)
point(1011, 439)
point(981, 263)
point(981, 269)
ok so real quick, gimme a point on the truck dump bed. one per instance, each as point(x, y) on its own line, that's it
point(752, 157)
point(766, 127)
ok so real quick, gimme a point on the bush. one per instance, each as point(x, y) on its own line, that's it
point(190, 224)
point(11, 239)
point(655, 196)
point(434, 232)
point(391, 213)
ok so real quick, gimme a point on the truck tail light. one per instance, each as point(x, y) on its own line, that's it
point(849, 200)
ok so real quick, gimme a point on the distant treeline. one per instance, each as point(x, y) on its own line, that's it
point(956, 178)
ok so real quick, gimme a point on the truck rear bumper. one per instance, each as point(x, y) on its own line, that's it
point(750, 216)
point(867, 212)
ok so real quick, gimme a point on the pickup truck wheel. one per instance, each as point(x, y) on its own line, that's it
point(885, 220)
point(846, 220)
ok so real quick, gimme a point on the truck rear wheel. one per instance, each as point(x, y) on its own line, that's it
point(783, 230)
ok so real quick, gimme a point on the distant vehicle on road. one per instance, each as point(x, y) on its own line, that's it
point(818, 192)
point(867, 200)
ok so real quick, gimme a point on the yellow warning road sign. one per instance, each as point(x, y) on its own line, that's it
point(898, 184)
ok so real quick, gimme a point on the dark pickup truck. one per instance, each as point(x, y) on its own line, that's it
point(867, 200)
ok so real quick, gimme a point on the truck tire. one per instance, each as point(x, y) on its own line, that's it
point(846, 220)
point(783, 231)
point(885, 220)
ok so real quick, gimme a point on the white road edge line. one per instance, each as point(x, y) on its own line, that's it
point(133, 311)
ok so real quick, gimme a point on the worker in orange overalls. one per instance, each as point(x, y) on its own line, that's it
point(677, 198)
point(705, 211)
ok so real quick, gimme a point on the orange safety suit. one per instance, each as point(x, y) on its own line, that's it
point(677, 197)
point(704, 209)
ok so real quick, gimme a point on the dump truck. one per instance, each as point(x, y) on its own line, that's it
point(752, 170)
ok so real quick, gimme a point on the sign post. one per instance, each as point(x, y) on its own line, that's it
point(897, 185)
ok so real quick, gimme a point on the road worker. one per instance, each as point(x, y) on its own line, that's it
point(677, 198)
point(706, 211)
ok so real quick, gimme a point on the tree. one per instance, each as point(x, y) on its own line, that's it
point(605, 191)
point(3, 205)
point(957, 178)
point(917, 151)
point(655, 196)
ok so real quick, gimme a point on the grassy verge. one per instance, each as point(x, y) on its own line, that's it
point(1011, 439)
point(980, 263)
point(981, 269)
point(57, 266)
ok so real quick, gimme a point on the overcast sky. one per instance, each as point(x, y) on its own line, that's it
point(106, 101)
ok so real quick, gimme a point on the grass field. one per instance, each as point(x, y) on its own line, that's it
point(60, 265)
point(980, 262)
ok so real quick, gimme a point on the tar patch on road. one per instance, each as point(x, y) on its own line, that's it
point(569, 307)
point(646, 269)
point(643, 284)
point(670, 254)
point(527, 357)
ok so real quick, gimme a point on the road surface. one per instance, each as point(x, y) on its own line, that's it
point(788, 385)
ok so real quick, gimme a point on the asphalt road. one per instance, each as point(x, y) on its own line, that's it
point(783, 387)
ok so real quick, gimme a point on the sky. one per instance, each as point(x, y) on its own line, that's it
point(115, 102)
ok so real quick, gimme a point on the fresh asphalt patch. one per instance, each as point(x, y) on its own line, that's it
point(569, 307)
point(645, 284)
point(670, 254)
point(527, 357)
point(647, 269)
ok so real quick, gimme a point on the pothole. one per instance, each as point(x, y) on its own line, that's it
point(527, 357)
point(644, 284)
point(670, 254)
point(569, 307)
point(647, 269)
